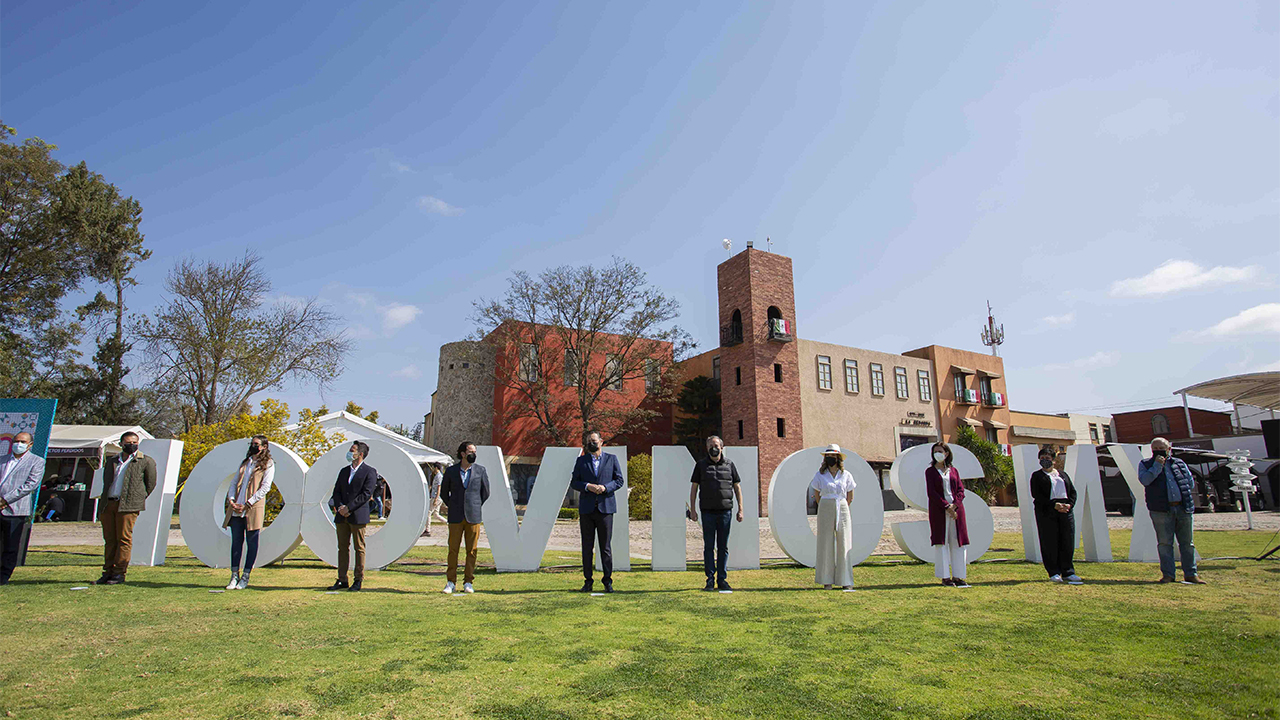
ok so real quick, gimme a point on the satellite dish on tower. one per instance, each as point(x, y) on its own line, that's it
point(728, 244)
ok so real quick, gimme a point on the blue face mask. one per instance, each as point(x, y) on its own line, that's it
point(20, 448)
point(351, 457)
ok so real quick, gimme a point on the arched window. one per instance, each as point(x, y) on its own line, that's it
point(735, 326)
point(779, 329)
point(774, 313)
point(1159, 424)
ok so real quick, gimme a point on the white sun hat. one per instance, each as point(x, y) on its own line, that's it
point(833, 449)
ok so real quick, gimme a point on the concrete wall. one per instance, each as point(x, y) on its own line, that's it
point(949, 410)
point(1054, 430)
point(1080, 426)
point(868, 424)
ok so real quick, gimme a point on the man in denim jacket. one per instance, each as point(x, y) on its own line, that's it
point(1170, 491)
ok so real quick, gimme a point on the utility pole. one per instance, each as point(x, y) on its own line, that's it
point(992, 336)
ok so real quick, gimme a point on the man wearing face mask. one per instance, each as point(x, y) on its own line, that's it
point(20, 474)
point(1170, 495)
point(464, 490)
point(717, 479)
point(597, 476)
point(350, 501)
point(127, 481)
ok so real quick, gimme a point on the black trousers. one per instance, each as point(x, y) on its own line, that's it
point(715, 543)
point(597, 525)
point(10, 540)
point(1057, 533)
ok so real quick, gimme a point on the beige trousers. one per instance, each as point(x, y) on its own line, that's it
point(835, 539)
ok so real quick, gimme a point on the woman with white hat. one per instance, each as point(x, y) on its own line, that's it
point(833, 485)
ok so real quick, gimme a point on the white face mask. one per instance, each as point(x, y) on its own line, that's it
point(20, 448)
point(939, 456)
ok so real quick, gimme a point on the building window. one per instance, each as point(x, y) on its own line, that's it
point(926, 387)
point(739, 429)
point(735, 327)
point(960, 388)
point(777, 372)
point(715, 368)
point(1159, 424)
point(851, 376)
point(1093, 432)
point(782, 427)
point(984, 387)
point(737, 376)
point(650, 375)
point(613, 372)
point(824, 372)
point(992, 437)
point(900, 383)
point(877, 379)
point(570, 367)
point(529, 362)
point(1106, 433)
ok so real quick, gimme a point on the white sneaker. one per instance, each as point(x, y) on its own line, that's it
point(448, 588)
point(1074, 579)
point(244, 582)
point(235, 582)
point(466, 588)
point(1055, 578)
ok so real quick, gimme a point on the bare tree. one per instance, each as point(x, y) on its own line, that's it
point(568, 340)
point(214, 344)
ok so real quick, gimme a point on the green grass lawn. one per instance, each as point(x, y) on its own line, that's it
point(1013, 646)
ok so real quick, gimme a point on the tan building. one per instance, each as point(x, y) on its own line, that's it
point(971, 391)
point(1028, 428)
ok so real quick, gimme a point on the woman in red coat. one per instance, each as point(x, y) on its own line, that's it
point(947, 530)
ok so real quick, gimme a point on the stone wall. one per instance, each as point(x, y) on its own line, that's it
point(462, 406)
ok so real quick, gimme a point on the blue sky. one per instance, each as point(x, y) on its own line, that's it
point(1106, 174)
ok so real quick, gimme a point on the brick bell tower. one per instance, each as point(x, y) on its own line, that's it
point(759, 363)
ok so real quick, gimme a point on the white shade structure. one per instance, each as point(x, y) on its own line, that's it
point(1257, 389)
point(354, 427)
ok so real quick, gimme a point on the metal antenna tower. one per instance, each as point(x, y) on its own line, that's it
point(992, 335)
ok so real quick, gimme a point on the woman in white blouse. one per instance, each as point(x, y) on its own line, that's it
point(1055, 497)
point(833, 486)
point(246, 507)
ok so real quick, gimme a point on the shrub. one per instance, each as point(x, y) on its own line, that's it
point(568, 513)
point(640, 479)
point(997, 469)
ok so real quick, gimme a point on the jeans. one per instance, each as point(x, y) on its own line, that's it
point(593, 526)
point(239, 534)
point(1170, 526)
point(1057, 533)
point(715, 542)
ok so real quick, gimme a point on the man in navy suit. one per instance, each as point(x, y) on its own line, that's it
point(596, 476)
point(350, 502)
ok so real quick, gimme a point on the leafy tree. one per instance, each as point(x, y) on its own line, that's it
point(413, 433)
point(699, 403)
point(215, 344)
point(640, 483)
point(358, 411)
point(997, 469)
point(590, 328)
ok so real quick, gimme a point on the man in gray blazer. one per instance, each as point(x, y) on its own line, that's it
point(20, 473)
point(464, 490)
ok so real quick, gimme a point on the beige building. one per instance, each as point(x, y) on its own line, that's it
point(1028, 428)
point(1095, 429)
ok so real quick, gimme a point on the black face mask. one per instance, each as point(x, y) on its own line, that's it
point(253, 450)
point(1160, 453)
point(1046, 463)
point(592, 446)
point(471, 457)
point(129, 448)
point(714, 452)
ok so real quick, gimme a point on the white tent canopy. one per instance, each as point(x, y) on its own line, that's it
point(354, 427)
point(1257, 389)
point(90, 440)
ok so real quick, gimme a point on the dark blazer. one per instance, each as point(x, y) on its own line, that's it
point(938, 506)
point(1042, 488)
point(610, 476)
point(354, 493)
point(465, 503)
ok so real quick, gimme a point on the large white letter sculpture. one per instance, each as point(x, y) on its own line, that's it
point(409, 505)
point(203, 496)
point(151, 530)
point(789, 513)
point(907, 478)
point(672, 469)
point(1090, 511)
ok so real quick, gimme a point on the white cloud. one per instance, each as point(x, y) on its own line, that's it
point(1097, 360)
point(1261, 319)
point(436, 206)
point(1059, 320)
point(292, 301)
point(1177, 275)
point(1149, 116)
point(396, 315)
point(400, 167)
point(409, 372)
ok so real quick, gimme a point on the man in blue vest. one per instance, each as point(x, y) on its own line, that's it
point(1170, 491)
point(597, 475)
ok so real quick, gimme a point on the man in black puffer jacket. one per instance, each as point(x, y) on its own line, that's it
point(717, 479)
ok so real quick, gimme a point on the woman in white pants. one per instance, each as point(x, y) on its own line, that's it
point(833, 485)
point(948, 532)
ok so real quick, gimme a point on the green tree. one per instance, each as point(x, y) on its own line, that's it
point(699, 403)
point(309, 439)
point(413, 433)
point(358, 411)
point(640, 484)
point(997, 469)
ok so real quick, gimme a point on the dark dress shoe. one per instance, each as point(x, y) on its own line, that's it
point(355, 587)
point(587, 587)
point(957, 582)
point(1166, 580)
point(102, 580)
point(115, 580)
point(723, 585)
point(711, 585)
point(339, 585)
point(4, 581)
point(608, 587)
point(947, 582)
